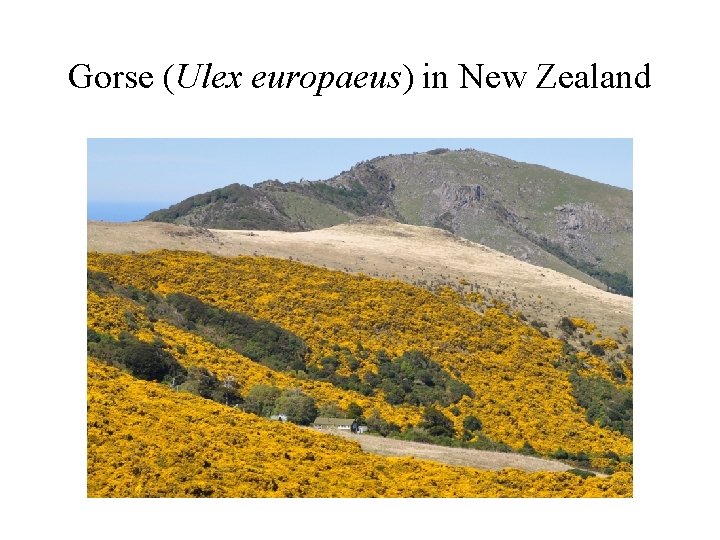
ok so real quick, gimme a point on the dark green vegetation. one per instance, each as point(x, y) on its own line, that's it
point(261, 399)
point(615, 281)
point(541, 215)
point(412, 378)
point(415, 379)
point(377, 424)
point(265, 400)
point(151, 362)
point(606, 404)
point(299, 407)
point(436, 423)
point(261, 341)
point(581, 473)
point(436, 428)
point(234, 207)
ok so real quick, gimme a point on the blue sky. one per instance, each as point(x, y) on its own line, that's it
point(129, 177)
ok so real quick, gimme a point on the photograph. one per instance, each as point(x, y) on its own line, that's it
point(359, 318)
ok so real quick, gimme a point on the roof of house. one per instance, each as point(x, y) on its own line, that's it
point(327, 421)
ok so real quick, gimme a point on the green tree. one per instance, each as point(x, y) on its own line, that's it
point(299, 408)
point(261, 399)
point(146, 361)
point(378, 424)
point(331, 410)
point(200, 382)
point(354, 411)
point(471, 425)
point(436, 423)
point(455, 390)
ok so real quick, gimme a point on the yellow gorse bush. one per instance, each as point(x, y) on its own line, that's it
point(519, 395)
point(582, 323)
point(145, 440)
point(606, 343)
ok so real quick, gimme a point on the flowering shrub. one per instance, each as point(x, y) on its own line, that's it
point(582, 323)
point(606, 343)
point(517, 394)
point(146, 440)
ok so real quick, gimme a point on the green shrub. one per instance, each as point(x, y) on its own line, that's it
point(299, 407)
point(354, 411)
point(436, 423)
point(146, 361)
point(261, 399)
point(378, 424)
point(482, 442)
point(581, 473)
point(527, 449)
point(415, 379)
point(471, 423)
point(261, 341)
point(567, 326)
point(605, 404)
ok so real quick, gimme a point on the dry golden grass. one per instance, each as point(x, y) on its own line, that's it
point(387, 249)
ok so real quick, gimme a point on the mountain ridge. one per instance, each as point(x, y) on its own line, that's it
point(532, 212)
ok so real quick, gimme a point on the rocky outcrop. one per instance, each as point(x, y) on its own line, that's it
point(454, 197)
point(586, 217)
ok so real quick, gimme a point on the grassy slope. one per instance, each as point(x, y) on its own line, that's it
point(314, 214)
point(532, 192)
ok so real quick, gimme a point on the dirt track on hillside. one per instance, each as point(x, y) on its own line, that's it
point(463, 457)
point(386, 249)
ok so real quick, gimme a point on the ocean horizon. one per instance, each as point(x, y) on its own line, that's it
point(121, 211)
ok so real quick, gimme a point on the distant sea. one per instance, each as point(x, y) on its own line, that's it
point(121, 211)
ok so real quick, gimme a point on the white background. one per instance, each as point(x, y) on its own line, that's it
point(46, 122)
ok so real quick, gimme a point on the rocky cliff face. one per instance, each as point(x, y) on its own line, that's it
point(538, 214)
point(453, 197)
point(587, 217)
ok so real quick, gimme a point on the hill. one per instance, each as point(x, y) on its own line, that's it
point(422, 256)
point(263, 334)
point(145, 440)
point(536, 214)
